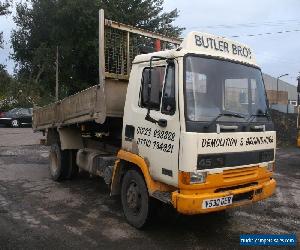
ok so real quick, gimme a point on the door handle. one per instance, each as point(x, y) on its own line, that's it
point(162, 123)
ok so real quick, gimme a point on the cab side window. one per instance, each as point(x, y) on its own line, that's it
point(157, 82)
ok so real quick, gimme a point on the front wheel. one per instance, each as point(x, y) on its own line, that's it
point(135, 199)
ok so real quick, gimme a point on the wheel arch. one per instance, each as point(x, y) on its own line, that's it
point(128, 160)
point(67, 137)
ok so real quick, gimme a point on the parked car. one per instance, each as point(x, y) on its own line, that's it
point(17, 117)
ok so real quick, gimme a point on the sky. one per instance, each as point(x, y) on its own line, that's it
point(6, 26)
point(276, 53)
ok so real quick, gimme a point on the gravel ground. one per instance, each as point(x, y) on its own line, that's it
point(18, 136)
point(37, 213)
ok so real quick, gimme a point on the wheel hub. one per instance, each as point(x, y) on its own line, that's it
point(133, 197)
point(15, 123)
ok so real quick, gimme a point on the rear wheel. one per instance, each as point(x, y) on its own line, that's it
point(135, 199)
point(59, 163)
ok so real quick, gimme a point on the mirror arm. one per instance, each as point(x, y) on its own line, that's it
point(149, 118)
point(161, 122)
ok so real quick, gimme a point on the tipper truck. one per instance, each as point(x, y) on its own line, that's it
point(187, 125)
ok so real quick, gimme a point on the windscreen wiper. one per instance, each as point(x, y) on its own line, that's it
point(258, 114)
point(224, 114)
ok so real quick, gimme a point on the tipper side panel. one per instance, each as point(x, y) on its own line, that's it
point(84, 106)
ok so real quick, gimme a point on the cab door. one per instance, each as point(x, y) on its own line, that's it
point(157, 138)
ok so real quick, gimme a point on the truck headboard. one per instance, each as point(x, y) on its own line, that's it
point(119, 44)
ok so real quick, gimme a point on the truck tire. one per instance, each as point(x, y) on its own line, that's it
point(59, 163)
point(135, 199)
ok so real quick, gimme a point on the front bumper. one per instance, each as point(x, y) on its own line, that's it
point(192, 203)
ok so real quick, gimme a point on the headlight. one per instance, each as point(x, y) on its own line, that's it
point(197, 177)
point(193, 177)
point(271, 166)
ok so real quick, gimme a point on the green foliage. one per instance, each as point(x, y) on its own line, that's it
point(146, 14)
point(4, 5)
point(72, 25)
point(4, 10)
point(5, 81)
point(13, 93)
point(16, 92)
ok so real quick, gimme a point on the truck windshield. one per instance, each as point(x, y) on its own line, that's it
point(214, 86)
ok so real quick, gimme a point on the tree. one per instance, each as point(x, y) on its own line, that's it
point(146, 14)
point(17, 92)
point(12, 91)
point(5, 80)
point(6, 89)
point(72, 25)
point(4, 5)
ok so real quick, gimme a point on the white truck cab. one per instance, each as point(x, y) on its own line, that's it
point(201, 122)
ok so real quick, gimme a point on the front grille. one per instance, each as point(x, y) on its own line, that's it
point(239, 173)
point(210, 161)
